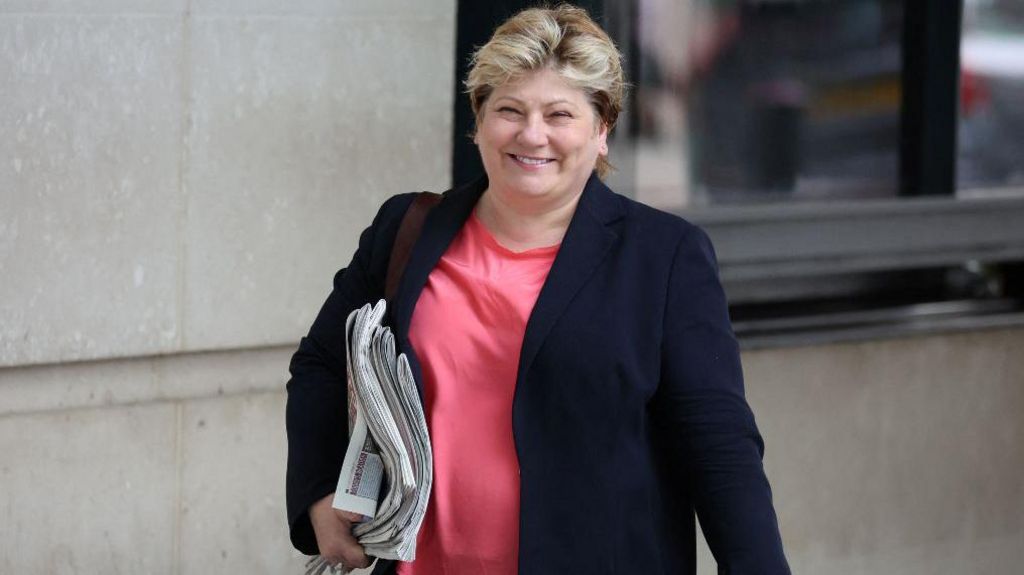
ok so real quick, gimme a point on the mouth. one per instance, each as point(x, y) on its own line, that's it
point(530, 161)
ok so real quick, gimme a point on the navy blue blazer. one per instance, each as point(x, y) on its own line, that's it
point(629, 412)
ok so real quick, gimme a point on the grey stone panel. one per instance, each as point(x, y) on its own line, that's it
point(89, 180)
point(92, 7)
point(111, 383)
point(901, 456)
point(398, 9)
point(232, 516)
point(89, 491)
point(300, 128)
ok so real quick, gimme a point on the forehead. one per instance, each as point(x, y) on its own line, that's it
point(541, 87)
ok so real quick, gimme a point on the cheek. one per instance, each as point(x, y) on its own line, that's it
point(492, 138)
point(584, 145)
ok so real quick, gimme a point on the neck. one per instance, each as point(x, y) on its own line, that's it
point(522, 226)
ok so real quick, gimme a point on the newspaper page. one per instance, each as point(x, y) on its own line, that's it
point(388, 467)
point(361, 474)
point(363, 470)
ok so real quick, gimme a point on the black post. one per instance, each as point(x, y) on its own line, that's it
point(931, 97)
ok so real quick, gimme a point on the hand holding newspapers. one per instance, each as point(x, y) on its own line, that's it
point(388, 467)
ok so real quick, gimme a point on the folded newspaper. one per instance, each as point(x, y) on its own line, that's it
point(388, 466)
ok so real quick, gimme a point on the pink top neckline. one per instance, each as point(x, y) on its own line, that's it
point(492, 242)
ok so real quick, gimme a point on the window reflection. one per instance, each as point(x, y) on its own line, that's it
point(741, 102)
point(991, 130)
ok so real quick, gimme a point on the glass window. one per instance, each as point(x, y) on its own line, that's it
point(991, 127)
point(753, 102)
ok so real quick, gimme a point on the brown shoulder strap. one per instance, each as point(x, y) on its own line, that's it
point(405, 239)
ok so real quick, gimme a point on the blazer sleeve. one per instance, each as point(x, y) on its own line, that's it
point(701, 409)
point(316, 416)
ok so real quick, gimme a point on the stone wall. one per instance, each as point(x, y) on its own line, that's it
point(179, 181)
point(184, 175)
point(900, 456)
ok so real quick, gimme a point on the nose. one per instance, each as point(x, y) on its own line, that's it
point(533, 132)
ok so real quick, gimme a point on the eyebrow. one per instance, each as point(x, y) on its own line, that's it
point(545, 104)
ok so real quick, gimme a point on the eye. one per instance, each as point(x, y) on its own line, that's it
point(507, 110)
point(561, 114)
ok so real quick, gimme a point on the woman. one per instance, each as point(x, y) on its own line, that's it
point(581, 381)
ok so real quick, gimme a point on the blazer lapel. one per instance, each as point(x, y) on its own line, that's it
point(584, 246)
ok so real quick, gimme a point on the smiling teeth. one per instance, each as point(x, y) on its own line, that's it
point(532, 161)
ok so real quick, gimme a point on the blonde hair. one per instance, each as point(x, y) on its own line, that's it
point(563, 38)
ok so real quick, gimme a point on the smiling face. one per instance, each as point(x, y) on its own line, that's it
point(539, 139)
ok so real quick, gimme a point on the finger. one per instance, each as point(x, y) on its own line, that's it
point(315, 562)
point(342, 547)
point(356, 557)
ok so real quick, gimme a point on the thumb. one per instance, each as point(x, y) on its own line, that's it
point(348, 516)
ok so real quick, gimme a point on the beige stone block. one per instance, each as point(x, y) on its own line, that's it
point(233, 516)
point(89, 491)
point(142, 380)
point(879, 450)
point(301, 127)
point(92, 7)
point(705, 559)
point(990, 557)
point(395, 9)
point(89, 184)
point(995, 557)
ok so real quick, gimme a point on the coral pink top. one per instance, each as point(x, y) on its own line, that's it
point(467, 330)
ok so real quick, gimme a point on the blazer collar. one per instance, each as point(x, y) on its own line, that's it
point(590, 236)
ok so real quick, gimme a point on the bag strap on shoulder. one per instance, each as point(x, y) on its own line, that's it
point(408, 232)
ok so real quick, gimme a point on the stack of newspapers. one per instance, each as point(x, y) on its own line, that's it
point(388, 466)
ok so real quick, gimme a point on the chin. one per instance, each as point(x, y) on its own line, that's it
point(532, 187)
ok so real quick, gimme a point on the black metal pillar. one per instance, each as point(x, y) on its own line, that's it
point(931, 80)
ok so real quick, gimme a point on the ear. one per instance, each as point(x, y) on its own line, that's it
point(602, 139)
